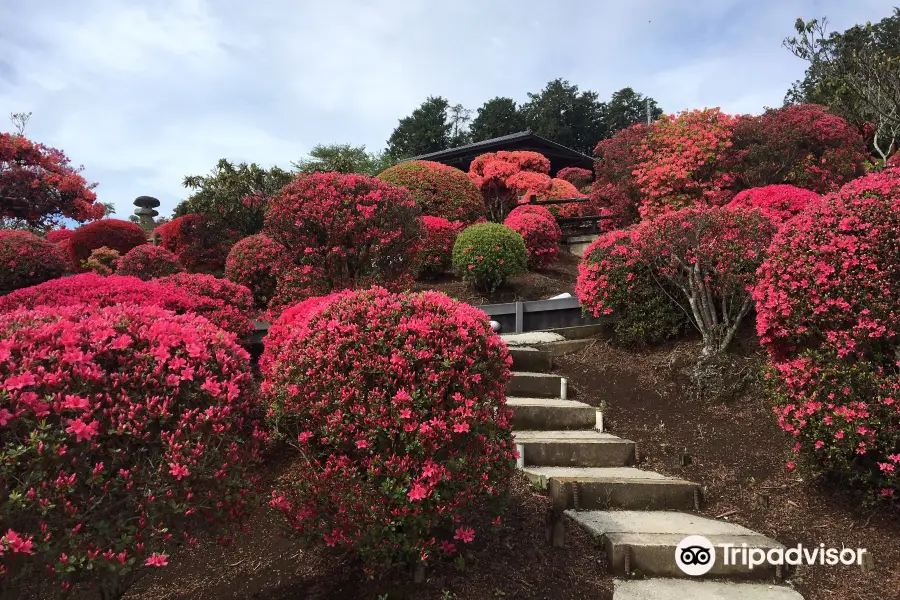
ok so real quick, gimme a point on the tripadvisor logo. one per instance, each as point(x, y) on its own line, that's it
point(695, 555)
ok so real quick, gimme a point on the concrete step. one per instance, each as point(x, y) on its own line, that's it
point(622, 487)
point(531, 339)
point(574, 449)
point(552, 413)
point(686, 589)
point(537, 385)
point(530, 359)
point(647, 540)
point(557, 342)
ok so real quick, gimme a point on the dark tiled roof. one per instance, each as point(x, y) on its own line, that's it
point(500, 142)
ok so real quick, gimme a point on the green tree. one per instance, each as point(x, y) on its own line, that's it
point(626, 108)
point(459, 118)
point(235, 194)
point(427, 129)
point(563, 114)
point(497, 117)
point(343, 158)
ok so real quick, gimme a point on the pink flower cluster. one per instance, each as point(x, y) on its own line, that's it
point(615, 193)
point(577, 176)
point(226, 304)
point(436, 251)
point(439, 190)
point(504, 177)
point(255, 262)
point(397, 404)
point(57, 235)
point(125, 431)
point(117, 235)
point(26, 259)
point(778, 202)
point(149, 262)
point(541, 237)
point(828, 304)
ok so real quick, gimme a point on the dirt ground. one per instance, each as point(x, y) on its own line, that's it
point(738, 452)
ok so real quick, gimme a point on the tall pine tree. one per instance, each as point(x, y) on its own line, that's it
point(427, 129)
point(497, 117)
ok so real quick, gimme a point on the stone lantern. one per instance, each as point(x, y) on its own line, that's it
point(146, 211)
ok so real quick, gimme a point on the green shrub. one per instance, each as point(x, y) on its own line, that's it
point(487, 254)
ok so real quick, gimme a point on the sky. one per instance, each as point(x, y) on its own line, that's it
point(144, 92)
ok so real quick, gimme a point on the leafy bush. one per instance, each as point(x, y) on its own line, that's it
point(255, 262)
point(576, 176)
point(828, 302)
point(351, 231)
point(487, 254)
point(97, 292)
point(200, 242)
point(436, 251)
point(397, 404)
point(540, 211)
point(540, 237)
point(26, 259)
point(439, 190)
point(615, 192)
point(778, 202)
point(102, 261)
point(58, 235)
point(615, 280)
point(149, 262)
point(117, 235)
point(227, 304)
point(126, 430)
point(504, 177)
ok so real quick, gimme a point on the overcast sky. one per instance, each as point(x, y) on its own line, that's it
point(143, 92)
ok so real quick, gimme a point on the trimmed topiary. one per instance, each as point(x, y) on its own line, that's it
point(149, 262)
point(127, 430)
point(117, 235)
point(779, 202)
point(255, 262)
point(436, 251)
point(396, 405)
point(487, 254)
point(228, 304)
point(540, 236)
point(540, 211)
point(439, 190)
point(26, 259)
point(102, 261)
point(58, 235)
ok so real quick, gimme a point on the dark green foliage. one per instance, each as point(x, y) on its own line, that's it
point(487, 254)
point(496, 118)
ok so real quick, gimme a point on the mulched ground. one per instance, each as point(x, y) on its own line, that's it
point(738, 453)
point(534, 285)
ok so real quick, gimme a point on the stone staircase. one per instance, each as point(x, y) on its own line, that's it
point(638, 517)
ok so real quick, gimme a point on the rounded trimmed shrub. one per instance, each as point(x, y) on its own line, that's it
point(149, 262)
point(534, 209)
point(615, 280)
point(120, 236)
point(397, 403)
point(26, 259)
point(560, 189)
point(127, 430)
point(254, 262)
point(58, 235)
point(577, 176)
point(102, 261)
point(436, 251)
point(225, 303)
point(438, 189)
point(779, 202)
point(200, 242)
point(828, 303)
point(487, 254)
point(352, 231)
point(540, 236)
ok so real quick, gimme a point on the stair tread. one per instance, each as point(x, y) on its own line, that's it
point(649, 526)
point(530, 338)
point(687, 589)
point(553, 402)
point(581, 436)
point(587, 474)
point(532, 374)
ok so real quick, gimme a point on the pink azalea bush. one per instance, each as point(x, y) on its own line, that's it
point(227, 304)
point(254, 262)
point(540, 211)
point(201, 242)
point(828, 304)
point(540, 237)
point(439, 190)
point(487, 254)
point(149, 262)
point(436, 250)
point(397, 404)
point(115, 234)
point(26, 259)
point(505, 176)
point(57, 235)
point(580, 178)
point(127, 430)
point(779, 202)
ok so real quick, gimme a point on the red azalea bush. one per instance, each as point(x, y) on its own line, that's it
point(487, 254)
point(102, 261)
point(439, 190)
point(200, 242)
point(126, 431)
point(802, 145)
point(350, 231)
point(397, 404)
point(615, 192)
point(149, 262)
point(577, 176)
point(503, 177)
point(436, 251)
point(777, 202)
point(540, 211)
point(685, 162)
point(120, 236)
point(616, 280)
point(58, 235)
point(563, 190)
point(828, 304)
point(26, 259)
point(255, 262)
point(39, 186)
point(540, 237)
point(227, 304)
